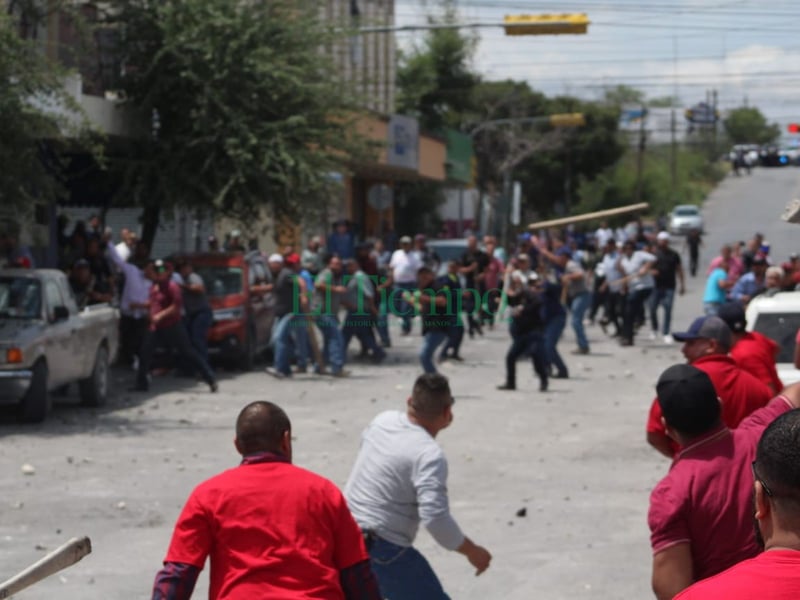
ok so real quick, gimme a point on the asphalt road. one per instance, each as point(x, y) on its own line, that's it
point(574, 457)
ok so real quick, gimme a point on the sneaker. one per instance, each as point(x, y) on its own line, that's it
point(668, 339)
point(275, 373)
point(652, 336)
point(580, 351)
point(506, 388)
point(457, 358)
point(301, 369)
point(341, 374)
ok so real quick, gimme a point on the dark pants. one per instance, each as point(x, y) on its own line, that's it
point(173, 338)
point(197, 326)
point(455, 335)
point(634, 307)
point(531, 343)
point(598, 297)
point(405, 310)
point(694, 257)
point(553, 329)
point(360, 326)
point(614, 310)
point(131, 335)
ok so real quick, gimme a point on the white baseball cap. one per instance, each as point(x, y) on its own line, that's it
point(276, 258)
point(663, 235)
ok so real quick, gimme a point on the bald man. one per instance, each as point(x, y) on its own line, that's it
point(272, 531)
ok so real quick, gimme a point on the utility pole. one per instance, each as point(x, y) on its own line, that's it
point(640, 155)
point(715, 97)
point(673, 127)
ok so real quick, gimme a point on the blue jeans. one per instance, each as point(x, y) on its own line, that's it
point(711, 309)
point(403, 573)
point(578, 307)
point(403, 308)
point(552, 333)
point(333, 346)
point(431, 341)
point(299, 333)
point(283, 343)
point(665, 298)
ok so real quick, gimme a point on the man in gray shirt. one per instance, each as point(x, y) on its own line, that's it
point(329, 290)
point(399, 480)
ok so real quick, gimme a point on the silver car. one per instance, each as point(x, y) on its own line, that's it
point(46, 342)
point(684, 218)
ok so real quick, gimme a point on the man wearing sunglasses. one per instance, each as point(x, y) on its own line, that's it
point(701, 512)
point(775, 573)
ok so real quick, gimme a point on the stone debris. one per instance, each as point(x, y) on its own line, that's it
point(28, 469)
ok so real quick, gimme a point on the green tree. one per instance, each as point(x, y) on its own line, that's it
point(37, 115)
point(621, 95)
point(241, 111)
point(435, 83)
point(747, 125)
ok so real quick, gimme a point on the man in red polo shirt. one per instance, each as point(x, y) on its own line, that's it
point(775, 573)
point(273, 531)
point(700, 514)
point(752, 351)
point(706, 347)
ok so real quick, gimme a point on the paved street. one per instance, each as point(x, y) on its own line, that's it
point(574, 457)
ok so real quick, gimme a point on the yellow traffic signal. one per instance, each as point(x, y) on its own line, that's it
point(568, 120)
point(569, 23)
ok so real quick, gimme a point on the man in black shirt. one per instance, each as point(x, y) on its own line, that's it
point(694, 239)
point(473, 262)
point(284, 288)
point(667, 267)
point(527, 331)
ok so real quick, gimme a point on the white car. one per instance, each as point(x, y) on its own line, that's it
point(778, 318)
point(684, 218)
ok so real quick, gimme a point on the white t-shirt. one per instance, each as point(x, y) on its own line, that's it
point(633, 265)
point(609, 266)
point(602, 236)
point(404, 266)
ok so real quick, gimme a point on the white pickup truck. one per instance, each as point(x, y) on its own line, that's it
point(778, 317)
point(46, 342)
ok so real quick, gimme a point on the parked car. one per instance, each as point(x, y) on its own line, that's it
point(772, 156)
point(684, 218)
point(778, 318)
point(46, 342)
point(447, 250)
point(243, 314)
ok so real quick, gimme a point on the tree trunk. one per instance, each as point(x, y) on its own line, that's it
point(151, 215)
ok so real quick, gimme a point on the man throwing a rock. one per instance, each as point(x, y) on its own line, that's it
point(399, 480)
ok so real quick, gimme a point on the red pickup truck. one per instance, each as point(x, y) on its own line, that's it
point(243, 314)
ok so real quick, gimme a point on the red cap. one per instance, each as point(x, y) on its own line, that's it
point(292, 259)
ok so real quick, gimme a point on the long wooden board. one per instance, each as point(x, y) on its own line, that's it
point(600, 214)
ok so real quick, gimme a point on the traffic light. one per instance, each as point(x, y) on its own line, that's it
point(569, 23)
point(568, 120)
point(793, 128)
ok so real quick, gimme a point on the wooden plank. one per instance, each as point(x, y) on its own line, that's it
point(600, 214)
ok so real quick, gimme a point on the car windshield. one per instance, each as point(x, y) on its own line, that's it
point(685, 211)
point(781, 327)
point(20, 298)
point(448, 252)
point(220, 280)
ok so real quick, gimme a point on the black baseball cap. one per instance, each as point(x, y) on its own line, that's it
point(709, 328)
point(733, 315)
point(688, 399)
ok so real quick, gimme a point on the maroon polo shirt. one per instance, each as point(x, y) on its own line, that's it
point(162, 296)
point(706, 498)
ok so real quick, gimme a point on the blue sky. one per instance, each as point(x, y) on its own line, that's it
point(747, 52)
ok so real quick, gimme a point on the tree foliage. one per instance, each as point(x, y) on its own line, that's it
point(34, 105)
point(242, 108)
point(748, 125)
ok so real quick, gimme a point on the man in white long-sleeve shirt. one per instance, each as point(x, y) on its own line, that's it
point(399, 480)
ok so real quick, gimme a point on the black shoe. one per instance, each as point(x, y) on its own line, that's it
point(458, 358)
point(275, 373)
point(604, 325)
point(507, 387)
point(625, 342)
point(139, 387)
point(213, 386)
point(560, 376)
point(543, 386)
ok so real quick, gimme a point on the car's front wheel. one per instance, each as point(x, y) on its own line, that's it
point(36, 402)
